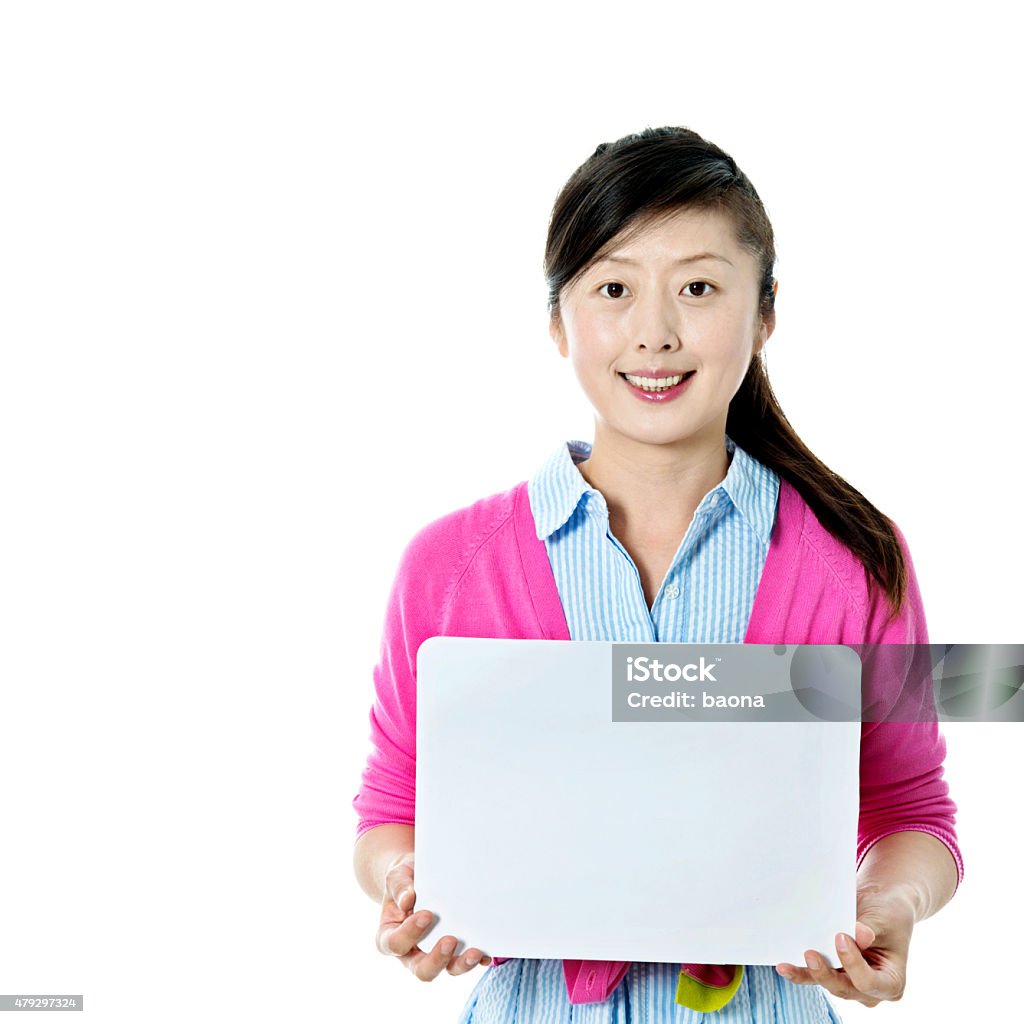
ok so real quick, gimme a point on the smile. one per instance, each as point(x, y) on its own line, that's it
point(656, 385)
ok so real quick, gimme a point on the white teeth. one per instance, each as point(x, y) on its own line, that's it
point(654, 383)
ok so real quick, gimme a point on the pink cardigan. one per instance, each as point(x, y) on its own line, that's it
point(482, 571)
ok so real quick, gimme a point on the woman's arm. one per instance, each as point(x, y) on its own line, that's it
point(383, 857)
point(909, 860)
point(902, 779)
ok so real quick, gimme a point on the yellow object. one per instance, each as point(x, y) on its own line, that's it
point(706, 998)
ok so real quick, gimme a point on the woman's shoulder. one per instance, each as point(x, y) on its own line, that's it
point(800, 533)
point(473, 521)
point(808, 547)
point(449, 541)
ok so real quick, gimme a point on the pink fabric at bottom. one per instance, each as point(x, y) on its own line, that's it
point(591, 981)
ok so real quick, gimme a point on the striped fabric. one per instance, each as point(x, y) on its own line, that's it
point(533, 992)
point(706, 597)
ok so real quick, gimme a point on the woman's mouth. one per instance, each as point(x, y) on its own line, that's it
point(657, 389)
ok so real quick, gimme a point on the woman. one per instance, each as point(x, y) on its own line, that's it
point(696, 515)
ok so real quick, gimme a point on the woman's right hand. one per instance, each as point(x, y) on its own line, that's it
point(400, 929)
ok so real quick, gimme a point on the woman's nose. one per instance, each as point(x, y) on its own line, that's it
point(656, 325)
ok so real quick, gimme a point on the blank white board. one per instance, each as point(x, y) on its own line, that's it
point(546, 830)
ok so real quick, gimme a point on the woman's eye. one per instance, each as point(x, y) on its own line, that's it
point(698, 289)
point(613, 290)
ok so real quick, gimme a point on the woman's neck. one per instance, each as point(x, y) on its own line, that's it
point(653, 490)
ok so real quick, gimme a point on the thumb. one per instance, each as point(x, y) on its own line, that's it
point(398, 882)
point(865, 934)
point(405, 898)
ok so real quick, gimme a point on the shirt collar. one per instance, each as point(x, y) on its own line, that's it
point(753, 488)
point(558, 488)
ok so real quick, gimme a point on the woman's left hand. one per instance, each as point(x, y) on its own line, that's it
point(875, 966)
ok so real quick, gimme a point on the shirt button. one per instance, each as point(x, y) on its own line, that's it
point(672, 590)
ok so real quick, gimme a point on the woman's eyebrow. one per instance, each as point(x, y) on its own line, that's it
point(685, 259)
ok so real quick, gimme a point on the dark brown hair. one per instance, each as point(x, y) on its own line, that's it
point(622, 186)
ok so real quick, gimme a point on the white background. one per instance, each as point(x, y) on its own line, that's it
point(271, 300)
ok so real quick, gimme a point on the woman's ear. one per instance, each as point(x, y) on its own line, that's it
point(767, 323)
point(557, 332)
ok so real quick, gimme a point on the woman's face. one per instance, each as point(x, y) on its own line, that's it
point(680, 298)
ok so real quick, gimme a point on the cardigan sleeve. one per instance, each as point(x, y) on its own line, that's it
point(388, 790)
point(902, 787)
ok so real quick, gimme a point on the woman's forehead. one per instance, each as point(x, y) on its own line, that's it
point(680, 234)
point(678, 225)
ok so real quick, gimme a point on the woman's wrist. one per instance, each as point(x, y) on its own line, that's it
point(376, 850)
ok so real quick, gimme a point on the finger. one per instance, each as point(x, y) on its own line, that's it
point(879, 984)
point(427, 966)
point(392, 913)
point(865, 935)
point(839, 984)
point(467, 961)
point(401, 939)
point(798, 975)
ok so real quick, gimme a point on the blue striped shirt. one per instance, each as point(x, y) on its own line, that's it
point(706, 597)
